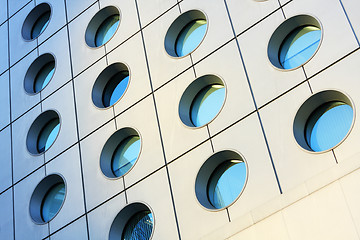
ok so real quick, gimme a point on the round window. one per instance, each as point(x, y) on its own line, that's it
point(294, 42)
point(47, 198)
point(102, 26)
point(186, 33)
point(36, 21)
point(202, 101)
point(323, 121)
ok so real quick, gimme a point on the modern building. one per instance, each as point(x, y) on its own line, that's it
point(179, 119)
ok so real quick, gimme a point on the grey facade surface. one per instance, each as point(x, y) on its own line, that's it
point(290, 193)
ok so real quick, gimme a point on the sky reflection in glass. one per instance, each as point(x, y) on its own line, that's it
point(115, 88)
point(52, 201)
point(190, 37)
point(48, 135)
point(125, 155)
point(107, 29)
point(44, 76)
point(139, 227)
point(40, 25)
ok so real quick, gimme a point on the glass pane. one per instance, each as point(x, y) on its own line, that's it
point(48, 135)
point(40, 25)
point(107, 30)
point(139, 227)
point(44, 76)
point(52, 201)
point(299, 46)
point(226, 183)
point(207, 104)
point(190, 37)
point(115, 88)
point(125, 155)
point(328, 125)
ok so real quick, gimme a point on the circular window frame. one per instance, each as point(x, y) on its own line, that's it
point(35, 129)
point(39, 193)
point(282, 31)
point(96, 21)
point(206, 171)
point(125, 214)
point(189, 94)
point(31, 19)
point(109, 148)
point(34, 69)
point(305, 110)
point(102, 80)
point(177, 26)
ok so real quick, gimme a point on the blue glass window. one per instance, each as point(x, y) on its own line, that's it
point(52, 202)
point(226, 183)
point(106, 30)
point(139, 227)
point(48, 135)
point(328, 125)
point(125, 155)
point(115, 88)
point(190, 37)
point(299, 46)
point(44, 76)
point(206, 104)
point(40, 24)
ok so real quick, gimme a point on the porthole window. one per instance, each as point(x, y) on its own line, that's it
point(323, 121)
point(39, 73)
point(47, 198)
point(36, 22)
point(120, 153)
point(202, 101)
point(43, 132)
point(102, 26)
point(294, 42)
point(221, 179)
point(134, 222)
point(110, 85)
point(186, 33)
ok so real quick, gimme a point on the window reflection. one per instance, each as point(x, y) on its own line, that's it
point(48, 135)
point(115, 88)
point(40, 24)
point(44, 76)
point(52, 202)
point(139, 227)
point(106, 30)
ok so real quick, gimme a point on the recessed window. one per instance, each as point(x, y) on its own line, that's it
point(221, 179)
point(39, 73)
point(36, 22)
point(120, 153)
point(202, 101)
point(110, 85)
point(47, 198)
point(102, 26)
point(294, 42)
point(43, 132)
point(323, 121)
point(134, 222)
point(186, 33)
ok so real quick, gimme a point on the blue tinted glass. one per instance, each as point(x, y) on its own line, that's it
point(107, 30)
point(190, 37)
point(125, 155)
point(299, 46)
point(226, 183)
point(40, 25)
point(115, 88)
point(52, 202)
point(44, 76)
point(48, 135)
point(139, 227)
point(207, 104)
point(328, 125)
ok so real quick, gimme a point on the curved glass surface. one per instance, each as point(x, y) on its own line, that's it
point(190, 37)
point(328, 125)
point(299, 46)
point(226, 183)
point(107, 30)
point(139, 227)
point(115, 88)
point(206, 104)
point(40, 25)
point(48, 135)
point(52, 202)
point(44, 76)
point(125, 155)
